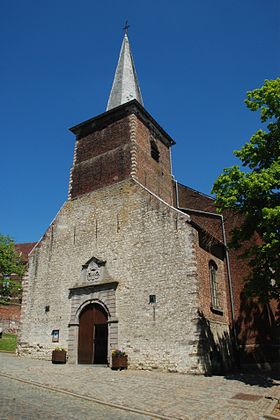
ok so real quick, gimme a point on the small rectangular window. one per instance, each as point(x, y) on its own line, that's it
point(152, 299)
point(55, 336)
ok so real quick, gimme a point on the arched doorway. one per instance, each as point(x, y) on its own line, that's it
point(93, 335)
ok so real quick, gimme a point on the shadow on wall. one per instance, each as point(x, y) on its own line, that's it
point(258, 334)
point(257, 329)
point(216, 353)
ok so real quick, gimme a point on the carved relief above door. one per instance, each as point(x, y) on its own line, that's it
point(94, 271)
point(93, 325)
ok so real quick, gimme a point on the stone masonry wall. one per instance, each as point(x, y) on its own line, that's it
point(149, 248)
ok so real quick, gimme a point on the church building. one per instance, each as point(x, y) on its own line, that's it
point(133, 260)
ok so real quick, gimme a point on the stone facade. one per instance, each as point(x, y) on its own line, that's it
point(143, 242)
point(119, 243)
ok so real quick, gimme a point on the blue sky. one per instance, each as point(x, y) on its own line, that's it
point(195, 61)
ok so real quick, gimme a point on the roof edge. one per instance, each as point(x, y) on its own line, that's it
point(199, 192)
point(129, 107)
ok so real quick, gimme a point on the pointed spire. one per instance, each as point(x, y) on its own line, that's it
point(125, 85)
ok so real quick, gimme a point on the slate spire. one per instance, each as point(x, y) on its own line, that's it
point(125, 85)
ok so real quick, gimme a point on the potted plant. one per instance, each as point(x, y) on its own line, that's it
point(59, 355)
point(119, 360)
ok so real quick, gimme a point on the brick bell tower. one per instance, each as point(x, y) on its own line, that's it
point(124, 142)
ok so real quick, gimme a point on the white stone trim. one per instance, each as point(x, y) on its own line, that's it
point(161, 200)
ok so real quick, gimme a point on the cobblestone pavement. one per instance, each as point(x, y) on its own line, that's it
point(170, 395)
point(24, 401)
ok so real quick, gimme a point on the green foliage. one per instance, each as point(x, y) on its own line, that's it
point(256, 194)
point(10, 264)
point(10, 260)
point(10, 289)
point(8, 342)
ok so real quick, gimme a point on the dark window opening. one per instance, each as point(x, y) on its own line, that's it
point(214, 284)
point(154, 151)
point(152, 299)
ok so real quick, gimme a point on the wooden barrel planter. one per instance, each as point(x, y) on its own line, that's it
point(119, 362)
point(59, 356)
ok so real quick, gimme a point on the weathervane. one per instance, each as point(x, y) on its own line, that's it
point(126, 26)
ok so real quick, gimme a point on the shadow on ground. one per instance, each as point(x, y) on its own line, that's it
point(261, 380)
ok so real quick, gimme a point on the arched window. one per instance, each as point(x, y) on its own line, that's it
point(213, 269)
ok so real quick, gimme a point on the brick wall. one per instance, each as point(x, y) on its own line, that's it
point(191, 199)
point(255, 323)
point(215, 342)
point(10, 317)
point(102, 158)
point(203, 260)
point(156, 176)
point(116, 148)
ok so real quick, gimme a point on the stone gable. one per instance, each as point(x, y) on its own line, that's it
point(149, 249)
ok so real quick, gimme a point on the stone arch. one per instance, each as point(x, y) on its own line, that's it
point(87, 302)
point(83, 295)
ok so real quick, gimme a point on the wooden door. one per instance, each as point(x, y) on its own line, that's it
point(93, 335)
point(85, 346)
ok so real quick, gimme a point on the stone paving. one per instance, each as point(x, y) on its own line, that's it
point(24, 401)
point(153, 393)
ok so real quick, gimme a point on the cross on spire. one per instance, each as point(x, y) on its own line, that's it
point(126, 26)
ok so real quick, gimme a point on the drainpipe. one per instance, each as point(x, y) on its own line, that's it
point(227, 255)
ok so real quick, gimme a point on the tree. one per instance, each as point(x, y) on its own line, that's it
point(255, 192)
point(10, 264)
